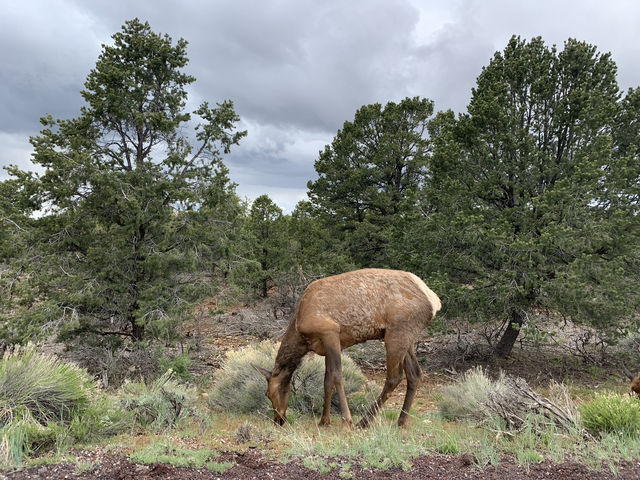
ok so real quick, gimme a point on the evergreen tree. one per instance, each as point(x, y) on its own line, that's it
point(369, 175)
point(124, 191)
point(267, 229)
point(522, 206)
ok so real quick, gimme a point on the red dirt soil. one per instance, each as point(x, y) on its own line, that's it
point(253, 465)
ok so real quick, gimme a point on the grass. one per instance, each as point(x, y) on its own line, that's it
point(44, 385)
point(168, 407)
point(166, 451)
point(46, 404)
point(382, 446)
point(612, 413)
point(160, 405)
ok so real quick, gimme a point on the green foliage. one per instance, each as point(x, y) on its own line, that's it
point(48, 388)
point(130, 206)
point(266, 228)
point(166, 452)
point(307, 394)
point(179, 365)
point(467, 398)
point(382, 446)
point(47, 403)
point(611, 413)
point(238, 387)
point(506, 403)
point(160, 405)
point(370, 174)
point(313, 246)
point(526, 206)
point(448, 445)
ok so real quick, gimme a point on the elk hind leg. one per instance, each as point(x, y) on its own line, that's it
point(414, 374)
point(395, 358)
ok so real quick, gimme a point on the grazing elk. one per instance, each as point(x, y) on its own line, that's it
point(340, 311)
point(635, 381)
point(635, 385)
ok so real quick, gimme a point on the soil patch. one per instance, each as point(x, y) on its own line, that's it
point(253, 465)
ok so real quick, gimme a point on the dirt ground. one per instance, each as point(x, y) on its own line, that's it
point(253, 465)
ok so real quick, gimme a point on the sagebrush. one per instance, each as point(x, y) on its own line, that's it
point(238, 387)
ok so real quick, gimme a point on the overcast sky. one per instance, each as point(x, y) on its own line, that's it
point(295, 69)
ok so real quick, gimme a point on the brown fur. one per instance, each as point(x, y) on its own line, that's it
point(635, 385)
point(340, 311)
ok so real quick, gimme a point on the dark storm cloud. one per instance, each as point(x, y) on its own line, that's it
point(296, 70)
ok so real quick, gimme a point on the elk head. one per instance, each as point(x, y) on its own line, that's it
point(278, 392)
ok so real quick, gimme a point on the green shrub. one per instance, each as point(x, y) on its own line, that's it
point(46, 403)
point(48, 388)
point(102, 418)
point(17, 437)
point(506, 402)
point(161, 404)
point(307, 393)
point(238, 387)
point(611, 413)
point(467, 398)
point(179, 365)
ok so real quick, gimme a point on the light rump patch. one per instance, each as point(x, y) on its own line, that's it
point(433, 298)
point(340, 311)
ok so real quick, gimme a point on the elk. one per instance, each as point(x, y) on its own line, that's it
point(339, 311)
point(635, 385)
point(635, 381)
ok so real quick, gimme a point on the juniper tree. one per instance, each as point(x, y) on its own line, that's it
point(124, 187)
point(524, 208)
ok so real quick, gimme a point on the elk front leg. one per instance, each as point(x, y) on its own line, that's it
point(333, 378)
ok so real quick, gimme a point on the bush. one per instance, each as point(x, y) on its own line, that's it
point(115, 365)
point(47, 403)
point(468, 397)
point(179, 365)
point(238, 387)
point(506, 402)
point(48, 388)
point(611, 413)
point(161, 404)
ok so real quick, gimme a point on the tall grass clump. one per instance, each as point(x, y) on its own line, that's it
point(161, 404)
point(467, 398)
point(43, 401)
point(48, 388)
point(238, 387)
point(611, 413)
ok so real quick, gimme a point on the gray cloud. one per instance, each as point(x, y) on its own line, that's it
point(296, 70)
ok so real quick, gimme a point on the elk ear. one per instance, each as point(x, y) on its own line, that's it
point(265, 373)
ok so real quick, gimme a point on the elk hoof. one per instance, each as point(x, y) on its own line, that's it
point(324, 422)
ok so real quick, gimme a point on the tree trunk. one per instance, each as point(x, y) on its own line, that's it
point(510, 335)
point(137, 330)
